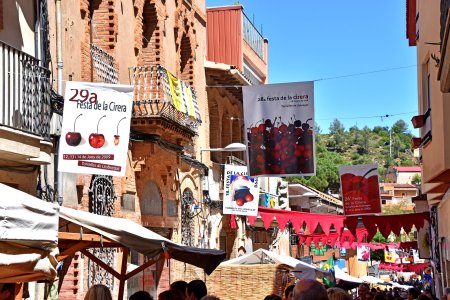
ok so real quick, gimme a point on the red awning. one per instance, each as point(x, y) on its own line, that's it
point(297, 219)
point(386, 224)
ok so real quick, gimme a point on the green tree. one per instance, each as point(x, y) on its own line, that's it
point(400, 127)
point(336, 127)
point(337, 131)
point(364, 141)
point(416, 179)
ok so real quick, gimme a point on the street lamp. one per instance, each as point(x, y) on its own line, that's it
point(233, 147)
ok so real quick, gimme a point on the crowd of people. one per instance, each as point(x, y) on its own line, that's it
point(179, 290)
point(305, 289)
point(311, 289)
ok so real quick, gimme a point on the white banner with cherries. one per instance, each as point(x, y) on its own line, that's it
point(96, 128)
point(241, 193)
point(279, 122)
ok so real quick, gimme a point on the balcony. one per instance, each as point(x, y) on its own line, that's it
point(25, 93)
point(25, 108)
point(242, 46)
point(252, 36)
point(162, 102)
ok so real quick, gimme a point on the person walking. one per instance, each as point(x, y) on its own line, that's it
point(196, 289)
point(98, 292)
point(338, 294)
point(308, 289)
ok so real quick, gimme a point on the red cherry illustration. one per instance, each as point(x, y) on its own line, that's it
point(249, 197)
point(97, 140)
point(358, 188)
point(73, 138)
point(240, 201)
point(117, 136)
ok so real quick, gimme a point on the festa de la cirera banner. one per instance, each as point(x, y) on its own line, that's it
point(279, 122)
point(96, 128)
point(360, 189)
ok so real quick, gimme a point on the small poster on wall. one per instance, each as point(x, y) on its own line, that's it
point(363, 253)
point(241, 193)
point(96, 128)
point(391, 256)
point(279, 120)
point(360, 189)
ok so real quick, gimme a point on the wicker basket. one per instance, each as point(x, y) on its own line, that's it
point(232, 282)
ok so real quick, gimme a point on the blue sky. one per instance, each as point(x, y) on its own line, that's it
point(320, 39)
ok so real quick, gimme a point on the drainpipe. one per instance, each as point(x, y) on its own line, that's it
point(59, 67)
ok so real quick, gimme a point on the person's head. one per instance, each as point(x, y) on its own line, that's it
point(363, 289)
point(141, 295)
point(179, 285)
point(7, 291)
point(307, 289)
point(272, 297)
point(413, 293)
point(171, 295)
point(446, 294)
point(379, 296)
point(368, 296)
point(338, 294)
point(196, 289)
point(210, 297)
point(423, 297)
point(289, 292)
point(98, 292)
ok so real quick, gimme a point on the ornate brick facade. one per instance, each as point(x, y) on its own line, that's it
point(139, 33)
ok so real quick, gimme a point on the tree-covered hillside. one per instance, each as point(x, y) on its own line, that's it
point(342, 147)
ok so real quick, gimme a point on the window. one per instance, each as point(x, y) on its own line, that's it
point(127, 202)
point(172, 209)
point(425, 131)
point(151, 199)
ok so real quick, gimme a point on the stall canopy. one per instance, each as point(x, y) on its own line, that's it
point(28, 237)
point(261, 256)
point(372, 280)
point(341, 275)
point(80, 230)
point(134, 236)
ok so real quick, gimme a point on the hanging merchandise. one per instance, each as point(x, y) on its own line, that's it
point(279, 119)
point(363, 253)
point(391, 255)
point(183, 98)
point(360, 189)
point(241, 193)
point(96, 128)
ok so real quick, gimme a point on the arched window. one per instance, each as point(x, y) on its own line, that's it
point(186, 61)
point(151, 199)
point(187, 222)
point(151, 41)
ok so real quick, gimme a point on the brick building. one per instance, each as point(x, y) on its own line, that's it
point(133, 42)
point(137, 42)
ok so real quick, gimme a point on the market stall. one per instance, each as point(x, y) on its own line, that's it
point(80, 230)
point(269, 271)
point(28, 237)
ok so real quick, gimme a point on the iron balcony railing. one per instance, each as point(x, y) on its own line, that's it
point(252, 36)
point(25, 92)
point(153, 96)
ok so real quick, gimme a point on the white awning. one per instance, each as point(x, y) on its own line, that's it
point(301, 269)
point(134, 236)
point(28, 237)
point(339, 274)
